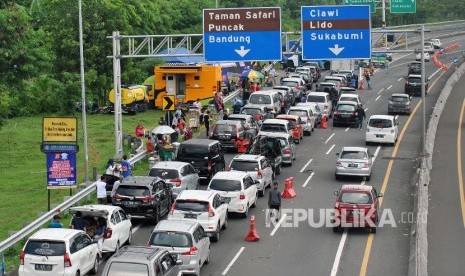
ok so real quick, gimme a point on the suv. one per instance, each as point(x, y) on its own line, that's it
point(345, 113)
point(180, 174)
point(227, 132)
point(256, 111)
point(351, 202)
point(144, 197)
point(205, 207)
point(119, 226)
point(275, 125)
point(184, 238)
point(399, 103)
point(204, 155)
point(237, 188)
point(413, 85)
point(59, 252)
point(258, 168)
point(247, 121)
point(140, 260)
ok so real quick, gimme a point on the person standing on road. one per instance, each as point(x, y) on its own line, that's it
point(55, 222)
point(78, 222)
point(368, 78)
point(273, 75)
point(206, 121)
point(101, 190)
point(274, 201)
point(100, 235)
point(386, 66)
point(126, 167)
point(360, 116)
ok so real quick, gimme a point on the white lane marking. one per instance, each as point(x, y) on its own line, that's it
point(330, 149)
point(377, 98)
point(347, 129)
point(397, 116)
point(382, 89)
point(136, 228)
point(225, 271)
point(277, 226)
point(366, 109)
point(390, 86)
point(337, 259)
point(308, 163)
point(399, 79)
point(376, 153)
point(327, 140)
point(308, 180)
point(435, 72)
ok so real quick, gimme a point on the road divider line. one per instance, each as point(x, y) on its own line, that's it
point(330, 149)
point(382, 89)
point(399, 79)
point(366, 109)
point(327, 140)
point(376, 153)
point(347, 129)
point(225, 271)
point(308, 163)
point(308, 180)
point(134, 229)
point(337, 259)
point(390, 86)
point(397, 117)
point(277, 226)
point(459, 162)
point(377, 98)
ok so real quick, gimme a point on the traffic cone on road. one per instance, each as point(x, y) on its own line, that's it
point(289, 191)
point(252, 236)
point(324, 123)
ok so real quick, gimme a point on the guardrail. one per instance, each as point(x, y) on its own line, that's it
point(45, 218)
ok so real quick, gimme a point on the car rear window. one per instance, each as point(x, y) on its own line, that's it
point(245, 166)
point(345, 108)
point(353, 155)
point(225, 185)
point(300, 113)
point(289, 83)
point(224, 128)
point(324, 87)
point(414, 80)
point(128, 269)
point(316, 99)
point(188, 205)
point(380, 123)
point(355, 198)
point(260, 99)
point(171, 239)
point(399, 99)
point(136, 191)
point(45, 248)
point(250, 111)
point(164, 173)
point(195, 151)
point(349, 99)
point(273, 128)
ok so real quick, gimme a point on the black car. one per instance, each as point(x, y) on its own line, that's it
point(227, 132)
point(204, 155)
point(144, 197)
point(414, 68)
point(345, 113)
point(413, 85)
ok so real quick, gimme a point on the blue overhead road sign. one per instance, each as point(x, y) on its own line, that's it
point(242, 34)
point(336, 32)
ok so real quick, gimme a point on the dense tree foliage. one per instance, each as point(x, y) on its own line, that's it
point(39, 42)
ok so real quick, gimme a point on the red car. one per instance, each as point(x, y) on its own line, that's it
point(356, 206)
point(295, 125)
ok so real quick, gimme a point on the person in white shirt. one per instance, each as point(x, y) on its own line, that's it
point(112, 168)
point(116, 185)
point(101, 190)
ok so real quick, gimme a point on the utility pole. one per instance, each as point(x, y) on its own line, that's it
point(423, 91)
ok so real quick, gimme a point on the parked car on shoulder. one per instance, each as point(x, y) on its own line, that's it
point(181, 175)
point(258, 168)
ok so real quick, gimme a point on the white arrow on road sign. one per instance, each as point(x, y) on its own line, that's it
point(336, 50)
point(242, 52)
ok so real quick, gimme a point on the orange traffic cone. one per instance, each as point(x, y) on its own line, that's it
point(252, 236)
point(289, 188)
point(324, 123)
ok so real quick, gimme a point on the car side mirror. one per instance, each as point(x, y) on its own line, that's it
point(380, 195)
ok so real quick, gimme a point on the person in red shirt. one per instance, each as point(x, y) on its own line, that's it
point(149, 146)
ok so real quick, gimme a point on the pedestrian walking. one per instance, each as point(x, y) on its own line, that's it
point(273, 75)
point(101, 190)
point(56, 222)
point(78, 222)
point(100, 235)
point(360, 116)
point(206, 121)
point(368, 79)
point(386, 66)
point(274, 202)
point(126, 167)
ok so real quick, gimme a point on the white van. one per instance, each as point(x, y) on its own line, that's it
point(382, 129)
point(269, 99)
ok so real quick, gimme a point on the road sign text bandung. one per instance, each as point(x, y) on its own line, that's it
point(336, 32)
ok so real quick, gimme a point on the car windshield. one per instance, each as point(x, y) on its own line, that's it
point(137, 191)
point(260, 99)
point(292, 123)
point(251, 111)
point(353, 155)
point(349, 99)
point(191, 205)
point(316, 99)
point(399, 99)
point(355, 198)
point(225, 185)
point(324, 87)
point(45, 248)
point(245, 166)
point(128, 269)
point(164, 173)
point(195, 151)
point(300, 113)
point(345, 108)
point(380, 123)
point(173, 239)
point(273, 128)
point(224, 128)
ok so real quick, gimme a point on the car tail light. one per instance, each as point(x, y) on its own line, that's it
point(209, 166)
point(176, 181)
point(297, 87)
point(147, 199)
point(211, 213)
point(366, 165)
point(21, 257)
point(192, 251)
point(308, 120)
point(149, 245)
point(173, 206)
point(338, 164)
point(67, 260)
point(259, 174)
point(108, 233)
point(117, 198)
point(241, 196)
point(287, 151)
point(326, 106)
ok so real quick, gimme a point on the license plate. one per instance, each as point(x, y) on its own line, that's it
point(352, 165)
point(379, 136)
point(131, 203)
point(191, 216)
point(43, 267)
point(345, 115)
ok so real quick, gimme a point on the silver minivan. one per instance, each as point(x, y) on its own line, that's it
point(271, 100)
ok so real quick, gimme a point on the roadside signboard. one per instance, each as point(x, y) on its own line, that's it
point(59, 147)
point(403, 6)
point(61, 170)
point(242, 34)
point(371, 3)
point(336, 32)
point(59, 129)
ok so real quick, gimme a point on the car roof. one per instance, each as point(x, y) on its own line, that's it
point(227, 122)
point(197, 141)
point(240, 116)
point(400, 95)
point(136, 254)
point(275, 121)
point(169, 165)
point(355, 188)
point(388, 117)
point(347, 102)
point(248, 157)
point(348, 88)
point(263, 92)
point(354, 149)
point(303, 106)
point(414, 76)
point(326, 83)
point(317, 94)
point(349, 95)
point(176, 225)
point(141, 180)
point(60, 234)
point(287, 116)
point(196, 194)
point(254, 106)
point(95, 208)
point(292, 79)
point(230, 175)
point(277, 134)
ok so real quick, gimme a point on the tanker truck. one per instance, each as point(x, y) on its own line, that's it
point(133, 99)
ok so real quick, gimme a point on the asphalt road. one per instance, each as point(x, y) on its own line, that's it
point(446, 219)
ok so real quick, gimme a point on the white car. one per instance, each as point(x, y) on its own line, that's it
point(428, 47)
point(238, 188)
point(59, 251)
point(350, 98)
point(119, 226)
point(206, 207)
point(324, 102)
point(306, 114)
point(418, 56)
point(257, 166)
point(437, 44)
point(382, 129)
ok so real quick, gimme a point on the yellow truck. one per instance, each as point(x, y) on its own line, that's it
point(133, 99)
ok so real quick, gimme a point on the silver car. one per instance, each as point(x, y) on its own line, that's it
point(180, 174)
point(399, 103)
point(288, 146)
point(258, 168)
point(185, 238)
point(306, 115)
point(354, 161)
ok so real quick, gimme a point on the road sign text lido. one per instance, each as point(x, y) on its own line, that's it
point(242, 34)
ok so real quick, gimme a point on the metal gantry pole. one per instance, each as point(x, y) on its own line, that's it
point(384, 22)
point(423, 91)
point(83, 95)
point(117, 93)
